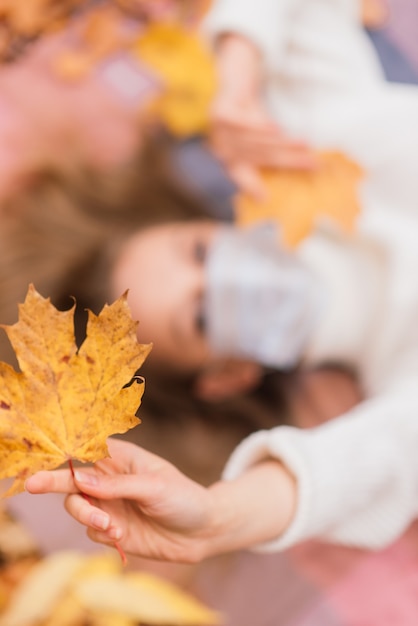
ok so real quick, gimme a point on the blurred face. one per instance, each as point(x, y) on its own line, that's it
point(163, 269)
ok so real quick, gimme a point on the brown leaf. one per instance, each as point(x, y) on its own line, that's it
point(66, 402)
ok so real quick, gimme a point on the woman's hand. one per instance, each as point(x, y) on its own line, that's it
point(154, 511)
point(243, 135)
point(137, 499)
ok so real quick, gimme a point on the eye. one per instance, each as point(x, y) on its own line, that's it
point(200, 321)
point(200, 251)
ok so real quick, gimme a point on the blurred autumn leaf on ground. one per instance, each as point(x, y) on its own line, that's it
point(68, 588)
point(66, 401)
point(22, 22)
point(187, 71)
point(159, 34)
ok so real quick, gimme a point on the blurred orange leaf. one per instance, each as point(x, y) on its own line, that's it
point(65, 402)
point(188, 12)
point(31, 18)
point(69, 588)
point(101, 33)
point(187, 70)
point(299, 200)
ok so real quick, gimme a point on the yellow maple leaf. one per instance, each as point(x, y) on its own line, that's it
point(187, 70)
point(65, 401)
point(299, 200)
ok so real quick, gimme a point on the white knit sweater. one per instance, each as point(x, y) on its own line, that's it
point(357, 475)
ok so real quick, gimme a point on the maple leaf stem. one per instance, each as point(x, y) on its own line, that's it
point(86, 497)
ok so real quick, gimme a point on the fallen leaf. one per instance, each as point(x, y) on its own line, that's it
point(12, 574)
point(65, 402)
point(41, 589)
point(68, 611)
point(188, 12)
point(105, 31)
point(103, 563)
point(101, 33)
point(186, 68)
point(99, 618)
point(146, 599)
point(182, 608)
point(299, 200)
point(28, 19)
point(15, 540)
point(68, 588)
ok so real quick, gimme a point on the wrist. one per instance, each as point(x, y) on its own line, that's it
point(255, 508)
point(239, 65)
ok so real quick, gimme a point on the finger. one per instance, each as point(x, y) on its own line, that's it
point(130, 458)
point(143, 489)
point(230, 141)
point(251, 133)
point(133, 455)
point(278, 145)
point(248, 181)
point(58, 481)
point(290, 157)
point(243, 121)
point(114, 533)
point(86, 513)
point(279, 158)
point(265, 151)
point(120, 448)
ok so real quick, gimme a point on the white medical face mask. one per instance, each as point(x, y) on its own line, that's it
point(261, 301)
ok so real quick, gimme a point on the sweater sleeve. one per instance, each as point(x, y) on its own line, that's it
point(269, 23)
point(265, 23)
point(357, 475)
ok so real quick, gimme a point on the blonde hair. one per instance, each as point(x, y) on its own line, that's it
point(63, 229)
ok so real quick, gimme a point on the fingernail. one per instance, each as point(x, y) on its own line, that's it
point(100, 521)
point(115, 533)
point(87, 479)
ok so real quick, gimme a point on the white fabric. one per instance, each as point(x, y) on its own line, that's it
point(324, 84)
point(357, 475)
